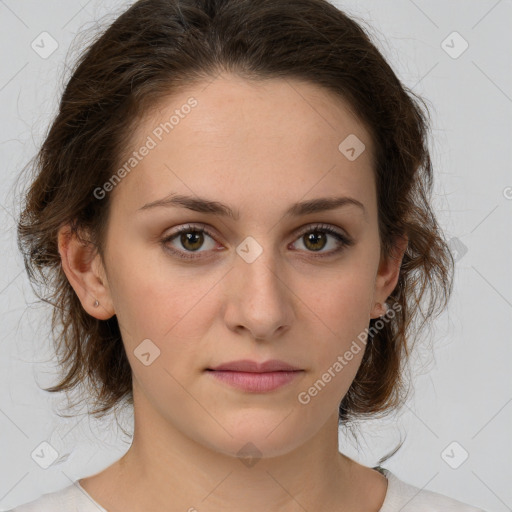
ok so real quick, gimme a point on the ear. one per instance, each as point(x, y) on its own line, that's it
point(387, 275)
point(85, 272)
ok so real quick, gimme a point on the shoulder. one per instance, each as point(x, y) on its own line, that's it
point(69, 498)
point(404, 497)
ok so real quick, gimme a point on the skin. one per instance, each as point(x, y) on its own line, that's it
point(259, 148)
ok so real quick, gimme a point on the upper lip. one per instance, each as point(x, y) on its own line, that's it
point(246, 365)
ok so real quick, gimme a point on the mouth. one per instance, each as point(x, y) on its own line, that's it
point(252, 376)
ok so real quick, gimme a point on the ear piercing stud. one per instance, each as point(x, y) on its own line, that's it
point(96, 303)
point(383, 306)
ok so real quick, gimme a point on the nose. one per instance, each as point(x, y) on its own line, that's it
point(259, 300)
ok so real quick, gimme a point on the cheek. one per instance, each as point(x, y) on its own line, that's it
point(338, 308)
point(349, 305)
point(157, 299)
point(341, 316)
point(345, 315)
point(341, 300)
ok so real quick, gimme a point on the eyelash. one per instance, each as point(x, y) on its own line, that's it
point(342, 239)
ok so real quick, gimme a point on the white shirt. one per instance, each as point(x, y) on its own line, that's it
point(400, 497)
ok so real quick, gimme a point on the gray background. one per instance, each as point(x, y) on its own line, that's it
point(462, 403)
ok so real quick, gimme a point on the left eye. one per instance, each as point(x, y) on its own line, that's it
point(314, 239)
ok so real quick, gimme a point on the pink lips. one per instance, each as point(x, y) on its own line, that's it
point(256, 377)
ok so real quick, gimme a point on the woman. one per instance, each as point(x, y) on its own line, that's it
point(232, 208)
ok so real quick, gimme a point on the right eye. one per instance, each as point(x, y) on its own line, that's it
point(191, 238)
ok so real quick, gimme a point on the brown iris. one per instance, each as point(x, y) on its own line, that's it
point(314, 238)
point(194, 238)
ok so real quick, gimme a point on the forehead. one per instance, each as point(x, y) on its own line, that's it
point(244, 139)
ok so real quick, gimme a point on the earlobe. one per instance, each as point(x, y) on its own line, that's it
point(83, 267)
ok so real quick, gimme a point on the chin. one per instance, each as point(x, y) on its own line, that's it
point(260, 436)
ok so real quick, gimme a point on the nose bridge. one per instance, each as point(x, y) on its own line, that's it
point(258, 269)
point(260, 301)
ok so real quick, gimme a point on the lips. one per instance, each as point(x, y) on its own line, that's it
point(253, 377)
point(246, 365)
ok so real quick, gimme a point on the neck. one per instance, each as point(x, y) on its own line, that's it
point(171, 468)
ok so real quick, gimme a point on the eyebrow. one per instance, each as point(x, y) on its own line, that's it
point(199, 204)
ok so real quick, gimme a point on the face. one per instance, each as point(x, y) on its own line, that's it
point(267, 282)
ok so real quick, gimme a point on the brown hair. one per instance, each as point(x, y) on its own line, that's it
point(157, 47)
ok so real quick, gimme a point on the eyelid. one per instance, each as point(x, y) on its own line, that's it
point(321, 227)
point(193, 226)
point(201, 226)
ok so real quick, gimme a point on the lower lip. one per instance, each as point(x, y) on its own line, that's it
point(255, 382)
